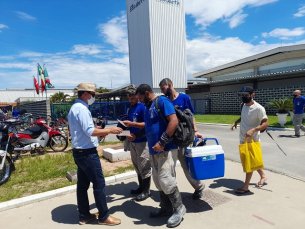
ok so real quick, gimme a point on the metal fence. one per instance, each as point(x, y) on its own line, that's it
point(113, 110)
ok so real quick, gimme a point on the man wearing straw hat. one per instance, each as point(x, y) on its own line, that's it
point(84, 142)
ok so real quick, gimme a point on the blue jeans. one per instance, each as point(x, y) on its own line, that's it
point(89, 169)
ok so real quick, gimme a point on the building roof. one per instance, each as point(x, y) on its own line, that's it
point(271, 52)
point(11, 95)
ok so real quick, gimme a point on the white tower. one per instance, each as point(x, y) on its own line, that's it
point(156, 37)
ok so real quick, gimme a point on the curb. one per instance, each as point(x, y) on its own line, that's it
point(217, 124)
point(59, 192)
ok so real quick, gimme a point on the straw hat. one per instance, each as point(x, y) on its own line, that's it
point(86, 87)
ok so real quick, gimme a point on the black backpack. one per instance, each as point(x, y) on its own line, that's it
point(185, 133)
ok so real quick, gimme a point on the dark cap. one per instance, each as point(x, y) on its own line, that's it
point(246, 90)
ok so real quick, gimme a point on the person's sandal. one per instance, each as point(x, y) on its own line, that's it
point(241, 191)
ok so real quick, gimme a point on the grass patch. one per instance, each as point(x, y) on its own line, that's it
point(230, 119)
point(110, 143)
point(44, 173)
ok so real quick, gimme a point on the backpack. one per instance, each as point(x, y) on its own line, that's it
point(184, 134)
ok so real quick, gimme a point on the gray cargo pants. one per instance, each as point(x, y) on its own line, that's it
point(140, 158)
point(197, 184)
point(297, 121)
point(163, 170)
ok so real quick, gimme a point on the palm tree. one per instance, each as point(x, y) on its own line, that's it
point(282, 105)
point(59, 97)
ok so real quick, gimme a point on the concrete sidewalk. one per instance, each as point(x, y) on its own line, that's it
point(280, 204)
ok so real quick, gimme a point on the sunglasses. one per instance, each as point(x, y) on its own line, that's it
point(93, 94)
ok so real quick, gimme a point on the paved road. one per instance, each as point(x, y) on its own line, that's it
point(274, 160)
point(290, 165)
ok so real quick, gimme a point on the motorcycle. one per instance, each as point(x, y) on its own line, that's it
point(8, 137)
point(100, 123)
point(38, 137)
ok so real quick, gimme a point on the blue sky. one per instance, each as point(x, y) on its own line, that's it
point(87, 40)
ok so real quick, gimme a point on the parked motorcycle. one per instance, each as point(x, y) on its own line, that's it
point(40, 136)
point(8, 137)
point(100, 122)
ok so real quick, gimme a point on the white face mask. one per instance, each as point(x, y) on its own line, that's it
point(91, 100)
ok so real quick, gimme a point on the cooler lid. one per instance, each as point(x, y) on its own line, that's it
point(204, 151)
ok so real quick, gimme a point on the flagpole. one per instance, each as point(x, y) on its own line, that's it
point(38, 77)
point(45, 84)
point(34, 87)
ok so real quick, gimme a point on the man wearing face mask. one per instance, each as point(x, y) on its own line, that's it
point(163, 153)
point(183, 101)
point(253, 119)
point(298, 110)
point(89, 169)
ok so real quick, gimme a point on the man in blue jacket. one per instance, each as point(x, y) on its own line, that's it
point(138, 147)
point(183, 101)
point(298, 110)
point(163, 153)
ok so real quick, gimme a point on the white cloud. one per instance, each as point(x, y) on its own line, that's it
point(236, 19)
point(207, 52)
point(285, 34)
point(206, 12)
point(301, 12)
point(86, 49)
point(2, 26)
point(115, 33)
point(25, 16)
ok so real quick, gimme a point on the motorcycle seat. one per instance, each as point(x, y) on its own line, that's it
point(31, 131)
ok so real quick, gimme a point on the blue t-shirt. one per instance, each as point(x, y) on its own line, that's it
point(136, 114)
point(299, 105)
point(155, 125)
point(183, 101)
point(15, 113)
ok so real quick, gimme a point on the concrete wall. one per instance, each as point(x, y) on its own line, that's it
point(228, 102)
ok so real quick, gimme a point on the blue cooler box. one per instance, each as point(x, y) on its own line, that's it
point(205, 162)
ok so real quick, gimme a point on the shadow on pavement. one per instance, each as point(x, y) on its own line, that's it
point(227, 183)
point(67, 214)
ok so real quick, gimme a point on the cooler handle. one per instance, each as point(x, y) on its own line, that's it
point(206, 139)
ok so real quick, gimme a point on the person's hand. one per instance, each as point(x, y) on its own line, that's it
point(198, 135)
point(158, 147)
point(131, 137)
point(98, 127)
point(250, 133)
point(127, 123)
point(234, 125)
point(116, 130)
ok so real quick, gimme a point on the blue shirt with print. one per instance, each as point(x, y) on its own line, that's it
point(183, 101)
point(155, 125)
point(299, 105)
point(136, 114)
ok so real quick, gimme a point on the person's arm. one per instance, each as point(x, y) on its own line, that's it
point(166, 136)
point(139, 125)
point(234, 125)
point(197, 134)
point(104, 132)
point(264, 124)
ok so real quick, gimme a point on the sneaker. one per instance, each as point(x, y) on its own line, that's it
point(295, 136)
point(88, 218)
point(197, 194)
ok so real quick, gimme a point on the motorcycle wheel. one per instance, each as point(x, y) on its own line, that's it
point(5, 173)
point(58, 143)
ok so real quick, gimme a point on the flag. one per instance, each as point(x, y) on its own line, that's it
point(43, 83)
point(40, 71)
point(47, 79)
point(36, 85)
point(46, 76)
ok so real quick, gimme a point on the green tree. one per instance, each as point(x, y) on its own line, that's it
point(59, 97)
point(101, 90)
